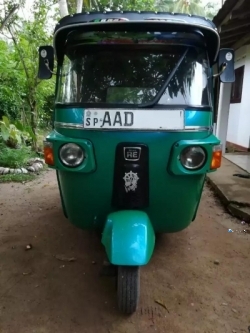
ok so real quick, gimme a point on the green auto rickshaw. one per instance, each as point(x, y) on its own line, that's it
point(132, 136)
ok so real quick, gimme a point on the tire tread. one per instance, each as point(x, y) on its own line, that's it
point(128, 288)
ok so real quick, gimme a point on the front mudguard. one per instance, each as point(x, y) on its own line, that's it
point(128, 238)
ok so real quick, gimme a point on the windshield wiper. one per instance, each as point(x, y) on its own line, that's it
point(163, 88)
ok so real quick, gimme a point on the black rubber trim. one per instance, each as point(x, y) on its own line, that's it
point(205, 108)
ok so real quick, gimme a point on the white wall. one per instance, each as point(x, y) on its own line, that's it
point(239, 115)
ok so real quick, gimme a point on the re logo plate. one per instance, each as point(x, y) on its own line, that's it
point(132, 153)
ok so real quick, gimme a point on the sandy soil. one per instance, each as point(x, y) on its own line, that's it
point(201, 274)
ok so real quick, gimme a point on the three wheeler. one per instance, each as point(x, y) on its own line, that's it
point(132, 137)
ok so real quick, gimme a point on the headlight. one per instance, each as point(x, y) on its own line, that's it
point(71, 155)
point(193, 157)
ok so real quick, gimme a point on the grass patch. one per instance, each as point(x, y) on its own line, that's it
point(15, 158)
point(17, 178)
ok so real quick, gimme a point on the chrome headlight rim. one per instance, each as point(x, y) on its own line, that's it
point(80, 159)
point(198, 166)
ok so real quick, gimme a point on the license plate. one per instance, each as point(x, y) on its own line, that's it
point(101, 119)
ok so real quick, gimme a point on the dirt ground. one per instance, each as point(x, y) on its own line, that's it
point(201, 274)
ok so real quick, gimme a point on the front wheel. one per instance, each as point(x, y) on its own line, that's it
point(128, 288)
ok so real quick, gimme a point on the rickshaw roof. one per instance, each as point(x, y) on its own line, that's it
point(141, 21)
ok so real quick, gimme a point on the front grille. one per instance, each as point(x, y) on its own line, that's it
point(131, 176)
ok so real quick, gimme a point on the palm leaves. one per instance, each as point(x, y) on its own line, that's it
point(181, 6)
point(189, 7)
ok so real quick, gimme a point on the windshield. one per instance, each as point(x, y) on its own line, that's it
point(138, 74)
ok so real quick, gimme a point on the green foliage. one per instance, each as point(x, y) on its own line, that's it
point(10, 79)
point(17, 178)
point(11, 134)
point(211, 9)
point(22, 95)
point(32, 35)
point(189, 7)
point(195, 7)
point(165, 5)
point(101, 5)
point(8, 9)
point(15, 158)
point(14, 134)
point(182, 6)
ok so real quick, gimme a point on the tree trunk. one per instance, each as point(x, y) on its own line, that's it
point(33, 123)
point(63, 7)
point(6, 20)
point(96, 5)
point(79, 4)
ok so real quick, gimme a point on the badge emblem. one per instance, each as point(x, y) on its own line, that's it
point(131, 180)
point(132, 153)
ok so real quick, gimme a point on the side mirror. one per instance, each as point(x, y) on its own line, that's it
point(46, 62)
point(226, 65)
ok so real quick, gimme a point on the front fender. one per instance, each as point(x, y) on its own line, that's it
point(128, 238)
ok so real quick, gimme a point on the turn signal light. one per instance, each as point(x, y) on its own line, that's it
point(216, 157)
point(48, 153)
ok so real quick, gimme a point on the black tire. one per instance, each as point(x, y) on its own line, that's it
point(128, 288)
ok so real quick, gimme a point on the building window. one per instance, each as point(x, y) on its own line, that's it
point(237, 86)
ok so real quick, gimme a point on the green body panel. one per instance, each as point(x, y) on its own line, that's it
point(61, 195)
point(198, 118)
point(69, 115)
point(86, 192)
point(128, 238)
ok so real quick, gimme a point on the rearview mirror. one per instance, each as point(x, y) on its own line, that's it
point(226, 65)
point(46, 62)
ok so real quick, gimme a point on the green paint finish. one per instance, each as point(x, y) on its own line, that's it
point(198, 200)
point(87, 196)
point(69, 115)
point(207, 144)
point(61, 196)
point(198, 118)
point(86, 191)
point(128, 238)
point(59, 140)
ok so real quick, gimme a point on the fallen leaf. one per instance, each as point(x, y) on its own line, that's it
point(62, 258)
point(162, 304)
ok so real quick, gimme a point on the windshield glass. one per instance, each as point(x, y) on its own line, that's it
point(122, 72)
